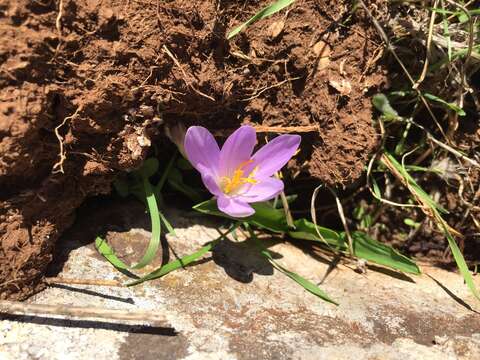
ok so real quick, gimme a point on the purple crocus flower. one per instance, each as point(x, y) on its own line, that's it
point(233, 174)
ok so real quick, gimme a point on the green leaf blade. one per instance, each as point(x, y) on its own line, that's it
point(461, 263)
point(107, 252)
point(262, 14)
point(154, 243)
point(382, 104)
point(305, 230)
point(369, 249)
point(183, 261)
point(174, 265)
point(437, 211)
point(152, 248)
point(451, 106)
point(265, 216)
point(306, 284)
point(363, 246)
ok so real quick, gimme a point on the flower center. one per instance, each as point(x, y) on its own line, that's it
point(231, 184)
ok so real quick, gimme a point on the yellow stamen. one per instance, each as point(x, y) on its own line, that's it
point(238, 179)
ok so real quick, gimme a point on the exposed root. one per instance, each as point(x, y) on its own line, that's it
point(58, 167)
point(258, 93)
point(58, 20)
point(58, 26)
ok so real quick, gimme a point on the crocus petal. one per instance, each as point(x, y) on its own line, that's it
point(234, 207)
point(274, 155)
point(176, 134)
point(210, 182)
point(265, 189)
point(202, 150)
point(237, 150)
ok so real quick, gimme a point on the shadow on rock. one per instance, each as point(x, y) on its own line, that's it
point(91, 324)
point(113, 219)
point(93, 293)
point(241, 260)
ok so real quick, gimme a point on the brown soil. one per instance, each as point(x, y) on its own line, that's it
point(86, 85)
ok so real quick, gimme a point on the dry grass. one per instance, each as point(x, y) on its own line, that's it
point(429, 120)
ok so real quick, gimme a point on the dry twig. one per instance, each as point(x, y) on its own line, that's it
point(20, 308)
point(272, 129)
point(429, 49)
point(95, 282)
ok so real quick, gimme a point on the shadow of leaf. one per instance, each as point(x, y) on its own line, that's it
point(241, 260)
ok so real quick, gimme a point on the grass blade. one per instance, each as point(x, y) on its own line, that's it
point(408, 180)
point(174, 265)
point(306, 284)
point(152, 248)
point(107, 252)
point(167, 224)
point(432, 210)
point(451, 106)
point(364, 247)
point(182, 262)
point(154, 243)
point(460, 260)
point(265, 217)
point(265, 12)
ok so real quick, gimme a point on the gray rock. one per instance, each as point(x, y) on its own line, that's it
point(234, 305)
